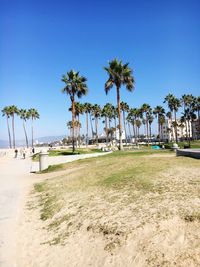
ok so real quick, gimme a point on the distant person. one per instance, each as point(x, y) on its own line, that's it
point(33, 150)
point(16, 153)
point(24, 153)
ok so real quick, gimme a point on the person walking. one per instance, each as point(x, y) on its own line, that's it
point(16, 153)
point(24, 153)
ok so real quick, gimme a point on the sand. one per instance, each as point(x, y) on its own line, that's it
point(102, 233)
point(99, 232)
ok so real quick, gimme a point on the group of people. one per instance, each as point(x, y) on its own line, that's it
point(23, 152)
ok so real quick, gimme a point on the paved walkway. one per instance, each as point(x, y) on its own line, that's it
point(15, 179)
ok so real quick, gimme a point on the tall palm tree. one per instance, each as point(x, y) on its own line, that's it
point(145, 108)
point(107, 114)
point(187, 101)
point(87, 107)
point(150, 119)
point(75, 85)
point(144, 124)
point(124, 108)
point(6, 112)
point(33, 114)
point(24, 115)
point(13, 111)
point(129, 121)
point(159, 111)
point(197, 109)
point(119, 74)
point(173, 104)
point(138, 124)
point(96, 110)
point(77, 125)
point(161, 122)
point(79, 109)
point(132, 116)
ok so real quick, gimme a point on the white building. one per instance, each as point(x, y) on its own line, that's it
point(117, 134)
point(168, 130)
point(196, 129)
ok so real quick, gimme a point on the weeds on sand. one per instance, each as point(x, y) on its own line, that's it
point(129, 188)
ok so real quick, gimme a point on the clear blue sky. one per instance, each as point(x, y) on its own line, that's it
point(41, 40)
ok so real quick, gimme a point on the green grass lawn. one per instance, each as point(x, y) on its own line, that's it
point(53, 153)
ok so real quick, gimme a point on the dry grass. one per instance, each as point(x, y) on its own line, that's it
point(115, 197)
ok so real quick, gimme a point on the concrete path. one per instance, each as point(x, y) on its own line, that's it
point(15, 179)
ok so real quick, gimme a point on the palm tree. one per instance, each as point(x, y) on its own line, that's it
point(197, 109)
point(119, 74)
point(79, 109)
point(150, 119)
point(132, 116)
point(6, 112)
point(182, 125)
point(124, 108)
point(24, 115)
point(173, 104)
point(144, 124)
point(107, 114)
point(187, 101)
point(96, 110)
point(13, 110)
point(159, 111)
point(77, 126)
point(146, 109)
point(87, 107)
point(161, 122)
point(33, 114)
point(75, 86)
point(138, 124)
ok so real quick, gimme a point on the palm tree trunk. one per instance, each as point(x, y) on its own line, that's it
point(32, 131)
point(175, 127)
point(186, 128)
point(73, 113)
point(25, 134)
point(138, 134)
point(87, 129)
point(134, 133)
point(129, 129)
point(79, 132)
point(189, 132)
point(106, 126)
point(91, 126)
point(13, 129)
point(150, 132)
point(96, 124)
point(198, 116)
point(120, 124)
point(124, 125)
point(147, 128)
point(9, 136)
point(159, 129)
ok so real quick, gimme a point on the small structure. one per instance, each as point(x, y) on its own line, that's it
point(43, 160)
point(175, 147)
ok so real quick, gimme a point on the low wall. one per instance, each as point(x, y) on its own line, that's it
point(193, 153)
